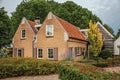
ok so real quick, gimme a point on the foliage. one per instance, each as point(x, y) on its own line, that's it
point(109, 29)
point(3, 53)
point(118, 33)
point(95, 37)
point(101, 64)
point(4, 28)
point(68, 10)
point(105, 54)
point(84, 73)
point(10, 67)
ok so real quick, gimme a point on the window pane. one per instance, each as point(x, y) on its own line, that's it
point(50, 53)
point(49, 30)
point(19, 52)
point(23, 33)
point(40, 54)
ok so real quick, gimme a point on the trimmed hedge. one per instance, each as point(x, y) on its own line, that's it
point(11, 67)
point(71, 73)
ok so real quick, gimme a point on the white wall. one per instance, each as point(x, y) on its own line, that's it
point(116, 49)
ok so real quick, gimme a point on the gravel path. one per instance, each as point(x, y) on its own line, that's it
point(42, 77)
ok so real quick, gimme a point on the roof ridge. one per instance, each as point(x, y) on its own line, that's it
point(68, 22)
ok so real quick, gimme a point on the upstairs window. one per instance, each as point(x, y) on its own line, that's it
point(23, 34)
point(49, 30)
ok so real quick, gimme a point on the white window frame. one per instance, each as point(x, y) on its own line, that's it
point(17, 52)
point(52, 30)
point(48, 55)
point(37, 53)
point(22, 34)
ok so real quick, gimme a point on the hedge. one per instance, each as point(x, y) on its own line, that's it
point(11, 67)
point(71, 73)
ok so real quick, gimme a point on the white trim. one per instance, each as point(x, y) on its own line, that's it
point(35, 38)
point(105, 29)
point(37, 53)
point(53, 54)
point(52, 30)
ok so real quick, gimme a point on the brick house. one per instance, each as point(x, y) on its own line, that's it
point(55, 39)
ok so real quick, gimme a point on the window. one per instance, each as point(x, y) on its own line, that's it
point(40, 53)
point(23, 34)
point(50, 53)
point(77, 51)
point(19, 52)
point(49, 30)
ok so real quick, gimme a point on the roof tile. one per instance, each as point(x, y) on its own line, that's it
point(72, 30)
point(32, 24)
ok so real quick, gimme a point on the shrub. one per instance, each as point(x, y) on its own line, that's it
point(105, 54)
point(84, 73)
point(18, 67)
point(101, 64)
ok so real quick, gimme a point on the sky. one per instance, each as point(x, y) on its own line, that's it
point(107, 10)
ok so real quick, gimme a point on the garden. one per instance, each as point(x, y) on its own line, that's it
point(67, 70)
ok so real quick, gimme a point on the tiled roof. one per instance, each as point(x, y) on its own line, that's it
point(72, 30)
point(32, 25)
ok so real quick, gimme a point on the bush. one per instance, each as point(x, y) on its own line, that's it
point(101, 64)
point(105, 54)
point(18, 67)
point(84, 73)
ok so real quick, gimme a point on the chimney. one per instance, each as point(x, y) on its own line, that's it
point(37, 20)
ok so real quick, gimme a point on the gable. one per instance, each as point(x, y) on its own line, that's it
point(117, 40)
point(105, 33)
point(73, 31)
point(27, 25)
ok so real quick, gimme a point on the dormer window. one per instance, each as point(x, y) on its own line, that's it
point(23, 34)
point(49, 30)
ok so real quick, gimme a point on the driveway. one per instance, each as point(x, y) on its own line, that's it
point(41, 77)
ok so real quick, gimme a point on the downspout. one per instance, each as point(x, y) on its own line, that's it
point(33, 45)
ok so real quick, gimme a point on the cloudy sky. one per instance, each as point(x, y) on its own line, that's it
point(107, 10)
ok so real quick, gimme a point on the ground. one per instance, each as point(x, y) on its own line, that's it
point(54, 77)
point(42, 77)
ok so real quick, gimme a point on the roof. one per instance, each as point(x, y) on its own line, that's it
point(32, 25)
point(73, 31)
point(100, 25)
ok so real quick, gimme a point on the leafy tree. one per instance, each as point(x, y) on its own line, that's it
point(118, 33)
point(95, 38)
point(69, 11)
point(5, 29)
point(109, 29)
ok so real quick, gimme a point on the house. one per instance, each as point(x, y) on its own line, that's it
point(23, 39)
point(117, 46)
point(108, 38)
point(55, 39)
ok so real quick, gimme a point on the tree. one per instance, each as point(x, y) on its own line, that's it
point(95, 37)
point(109, 29)
point(4, 28)
point(118, 33)
point(68, 11)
